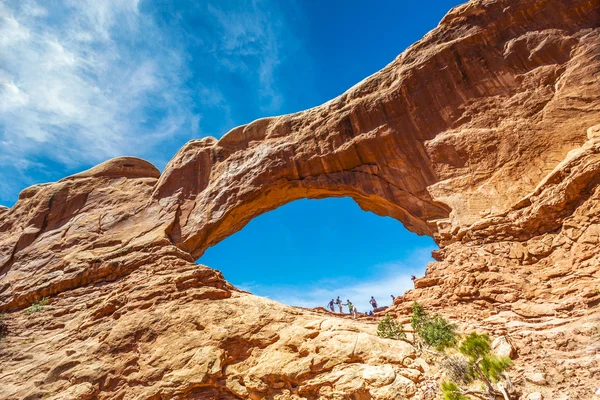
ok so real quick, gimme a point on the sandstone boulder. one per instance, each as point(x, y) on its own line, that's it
point(535, 396)
point(537, 378)
point(502, 347)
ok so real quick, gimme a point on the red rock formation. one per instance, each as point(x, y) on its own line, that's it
point(485, 135)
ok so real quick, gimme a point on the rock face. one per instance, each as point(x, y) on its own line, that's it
point(485, 135)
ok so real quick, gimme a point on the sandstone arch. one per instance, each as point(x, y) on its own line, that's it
point(429, 134)
point(436, 139)
point(275, 171)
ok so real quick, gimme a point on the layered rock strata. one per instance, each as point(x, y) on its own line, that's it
point(485, 134)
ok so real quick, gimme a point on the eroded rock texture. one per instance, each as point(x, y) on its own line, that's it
point(485, 135)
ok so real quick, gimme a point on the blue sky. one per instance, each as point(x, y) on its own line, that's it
point(82, 81)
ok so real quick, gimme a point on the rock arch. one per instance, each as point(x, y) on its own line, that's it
point(235, 181)
point(464, 125)
point(435, 139)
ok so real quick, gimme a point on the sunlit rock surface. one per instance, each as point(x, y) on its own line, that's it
point(485, 135)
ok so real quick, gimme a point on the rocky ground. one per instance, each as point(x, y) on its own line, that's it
point(485, 135)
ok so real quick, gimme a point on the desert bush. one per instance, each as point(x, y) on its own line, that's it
point(439, 333)
point(492, 366)
point(37, 306)
point(451, 391)
point(433, 330)
point(478, 348)
point(475, 346)
point(483, 366)
point(418, 316)
point(458, 368)
point(388, 328)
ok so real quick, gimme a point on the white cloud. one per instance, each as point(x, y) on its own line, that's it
point(388, 279)
point(97, 18)
point(11, 97)
point(71, 92)
point(82, 81)
point(249, 33)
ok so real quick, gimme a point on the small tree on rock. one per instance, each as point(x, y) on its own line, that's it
point(433, 330)
point(485, 367)
point(451, 391)
point(388, 328)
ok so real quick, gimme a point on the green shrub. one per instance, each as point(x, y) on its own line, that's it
point(451, 392)
point(475, 346)
point(481, 365)
point(492, 366)
point(439, 333)
point(390, 329)
point(478, 347)
point(37, 306)
point(418, 317)
point(433, 330)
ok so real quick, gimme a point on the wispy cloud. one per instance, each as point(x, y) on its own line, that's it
point(251, 41)
point(73, 91)
point(85, 80)
point(387, 279)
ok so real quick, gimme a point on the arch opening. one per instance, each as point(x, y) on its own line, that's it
point(306, 251)
point(227, 195)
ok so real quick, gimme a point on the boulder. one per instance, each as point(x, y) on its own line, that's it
point(537, 378)
point(502, 347)
point(535, 396)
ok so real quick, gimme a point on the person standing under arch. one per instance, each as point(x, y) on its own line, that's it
point(339, 303)
point(330, 305)
point(373, 302)
point(351, 309)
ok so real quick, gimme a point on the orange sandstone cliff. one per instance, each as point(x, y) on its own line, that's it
point(485, 135)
